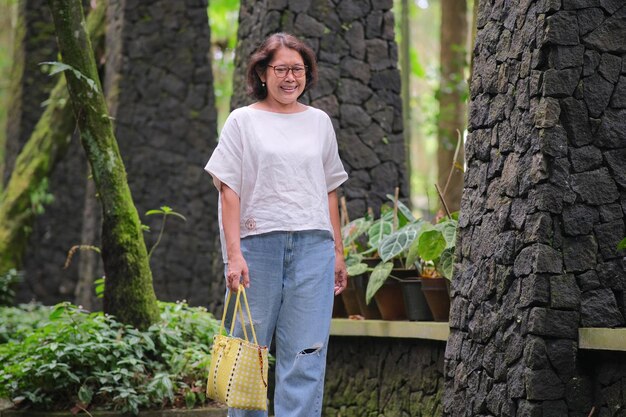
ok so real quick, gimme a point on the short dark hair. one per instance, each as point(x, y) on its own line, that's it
point(264, 53)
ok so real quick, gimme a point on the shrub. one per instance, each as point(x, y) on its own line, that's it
point(16, 323)
point(78, 360)
point(8, 281)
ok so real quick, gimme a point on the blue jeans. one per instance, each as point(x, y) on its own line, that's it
point(291, 293)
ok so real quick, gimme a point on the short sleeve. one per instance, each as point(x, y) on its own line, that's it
point(225, 164)
point(333, 168)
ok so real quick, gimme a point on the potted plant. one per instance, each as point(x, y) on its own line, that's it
point(361, 240)
point(352, 235)
point(435, 247)
point(392, 270)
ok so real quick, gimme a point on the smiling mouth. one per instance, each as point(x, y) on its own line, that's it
point(289, 89)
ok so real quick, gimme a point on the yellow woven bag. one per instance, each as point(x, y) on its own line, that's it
point(238, 371)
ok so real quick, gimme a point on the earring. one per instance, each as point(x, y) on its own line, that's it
point(263, 84)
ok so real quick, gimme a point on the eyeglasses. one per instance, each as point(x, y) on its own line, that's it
point(281, 71)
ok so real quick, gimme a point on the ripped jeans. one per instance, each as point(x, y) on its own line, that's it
point(291, 293)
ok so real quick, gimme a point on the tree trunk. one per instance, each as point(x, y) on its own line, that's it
point(46, 146)
point(29, 85)
point(405, 73)
point(6, 38)
point(88, 261)
point(159, 88)
point(128, 290)
point(452, 94)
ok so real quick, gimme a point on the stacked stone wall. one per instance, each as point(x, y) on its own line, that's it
point(359, 84)
point(378, 377)
point(542, 212)
point(53, 234)
point(35, 42)
point(160, 89)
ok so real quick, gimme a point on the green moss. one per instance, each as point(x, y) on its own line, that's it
point(128, 293)
point(47, 144)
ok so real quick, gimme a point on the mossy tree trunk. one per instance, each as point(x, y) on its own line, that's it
point(452, 96)
point(46, 146)
point(129, 294)
point(28, 85)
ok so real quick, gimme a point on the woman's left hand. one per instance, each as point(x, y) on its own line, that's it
point(341, 274)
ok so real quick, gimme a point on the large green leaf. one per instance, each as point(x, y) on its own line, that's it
point(404, 213)
point(380, 229)
point(431, 244)
point(354, 229)
point(445, 265)
point(448, 229)
point(397, 242)
point(377, 279)
point(357, 269)
point(413, 254)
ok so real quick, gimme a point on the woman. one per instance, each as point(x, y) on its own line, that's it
point(277, 169)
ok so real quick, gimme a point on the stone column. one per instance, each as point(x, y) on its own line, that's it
point(56, 230)
point(160, 88)
point(359, 84)
point(34, 42)
point(542, 211)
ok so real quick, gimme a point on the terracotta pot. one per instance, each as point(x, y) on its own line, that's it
point(369, 311)
point(349, 297)
point(390, 301)
point(436, 292)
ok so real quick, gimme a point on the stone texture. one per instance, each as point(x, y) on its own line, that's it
point(595, 187)
point(545, 190)
point(538, 258)
point(579, 219)
point(579, 253)
point(611, 130)
point(564, 292)
point(597, 93)
point(52, 235)
point(160, 92)
point(544, 385)
point(585, 158)
point(599, 309)
point(359, 84)
point(610, 36)
point(409, 384)
point(553, 323)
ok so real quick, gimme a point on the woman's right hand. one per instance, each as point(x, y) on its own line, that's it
point(237, 271)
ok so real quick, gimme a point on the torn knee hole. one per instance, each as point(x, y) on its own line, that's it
point(314, 349)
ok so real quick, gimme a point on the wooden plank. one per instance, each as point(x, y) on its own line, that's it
point(602, 339)
point(381, 328)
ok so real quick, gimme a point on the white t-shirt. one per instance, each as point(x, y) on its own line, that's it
point(282, 167)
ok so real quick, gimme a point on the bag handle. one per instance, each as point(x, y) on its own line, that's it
point(239, 309)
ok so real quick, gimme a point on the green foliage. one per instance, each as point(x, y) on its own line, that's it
point(58, 67)
point(223, 16)
point(91, 360)
point(8, 281)
point(622, 244)
point(164, 211)
point(379, 275)
point(40, 197)
point(16, 323)
point(416, 244)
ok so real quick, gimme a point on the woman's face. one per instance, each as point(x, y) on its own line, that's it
point(286, 90)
